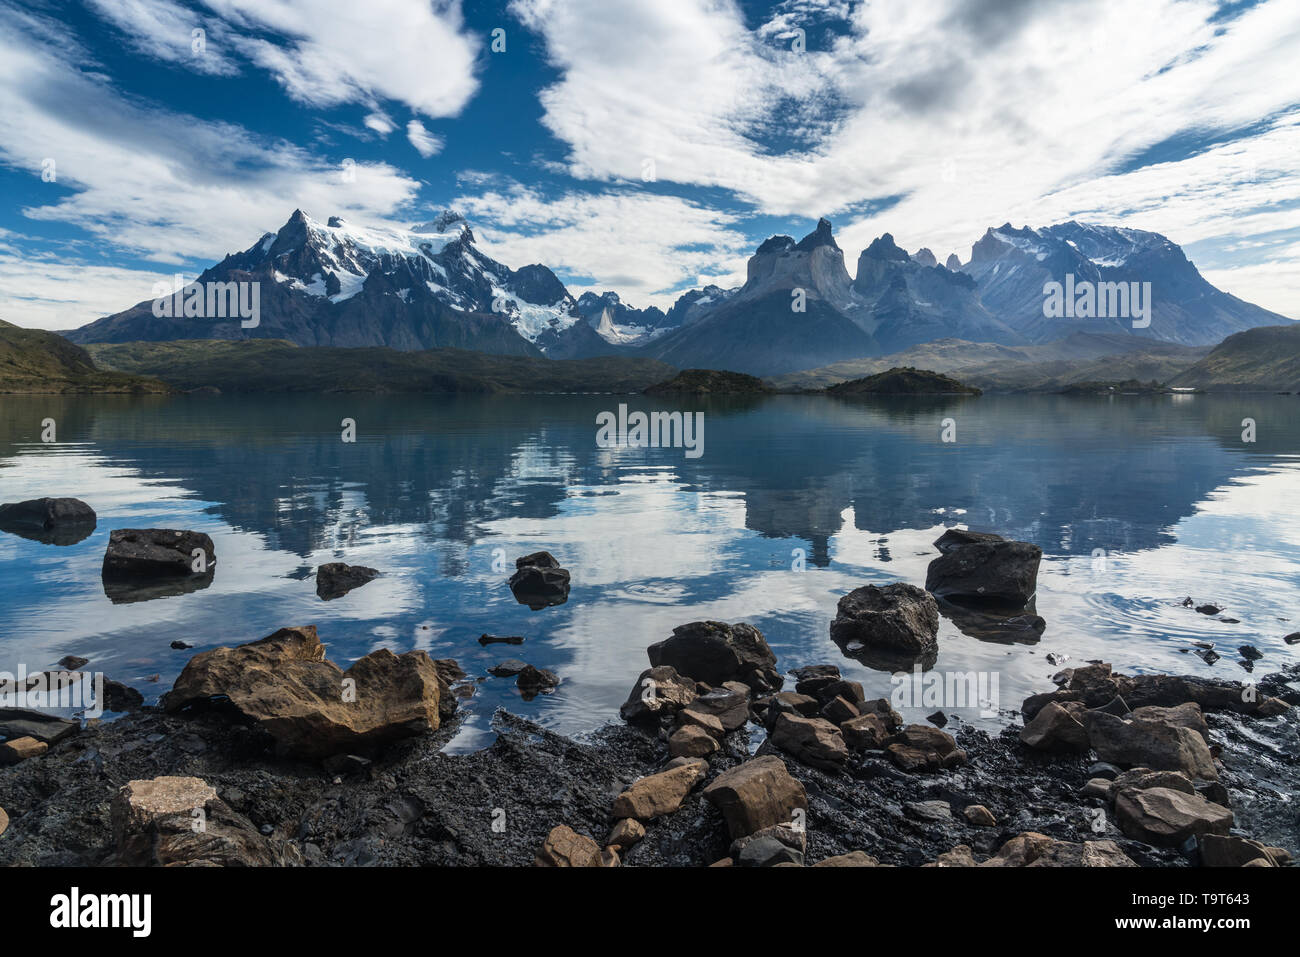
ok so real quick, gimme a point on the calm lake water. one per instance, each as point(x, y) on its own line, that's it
point(435, 492)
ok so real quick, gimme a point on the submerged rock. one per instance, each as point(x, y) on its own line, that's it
point(309, 706)
point(335, 579)
point(53, 521)
point(532, 681)
point(984, 568)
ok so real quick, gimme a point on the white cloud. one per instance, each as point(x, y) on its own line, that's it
point(426, 144)
point(640, 244)
point(161, 187)
point(47, 293)
point(966, 113)
point(330, 52)
point(379, 122)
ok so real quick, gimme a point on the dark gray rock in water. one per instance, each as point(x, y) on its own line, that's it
point(486, 639)
point(335, 579)
point(898, 621)
point(983, 568)
point(715, 652)
point(508, 668)
point(539, 581)
point(534, 681)
point(54, 521)
point(148, 553)
point(73, 662)
point(120, 697)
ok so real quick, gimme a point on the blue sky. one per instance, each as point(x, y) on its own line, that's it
point(640, 147)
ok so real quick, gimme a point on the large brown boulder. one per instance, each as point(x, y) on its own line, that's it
point(1166, 818)
point(180, 821)
point(919, 747)
point(1150, 744)
point(1187, 715)
point(984, 568)
point(658, 691)
point(715, 652)
point(565, 847)
point(309, 706)
point(813, 741)
point(757, 794)
point(1055, 728)
point(897, 620)
point(662, 793)
point(1219, 850)
point(729, 704)
point(1032, 849)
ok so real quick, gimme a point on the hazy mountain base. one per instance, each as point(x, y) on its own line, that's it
point(273, 365)
point(1051, 367)
point(33, 362)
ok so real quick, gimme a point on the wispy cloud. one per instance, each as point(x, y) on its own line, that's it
point(426, 144)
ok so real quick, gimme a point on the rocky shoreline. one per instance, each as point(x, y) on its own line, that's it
point(268, 754)
point(518, 801)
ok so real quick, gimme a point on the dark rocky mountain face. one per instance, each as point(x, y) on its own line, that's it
point(907, 300)
point(342, 285)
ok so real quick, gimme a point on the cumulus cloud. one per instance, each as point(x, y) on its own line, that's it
point(328, 52)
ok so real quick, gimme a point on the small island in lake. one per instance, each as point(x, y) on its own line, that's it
point(903, 381)
point(709, 382)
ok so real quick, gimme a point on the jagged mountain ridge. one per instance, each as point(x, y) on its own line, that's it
point(339, 284)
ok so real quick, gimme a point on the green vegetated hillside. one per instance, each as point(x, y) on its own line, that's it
point(38, 362)
point(1266, 359)
point(903, 381)
point(274, 365)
